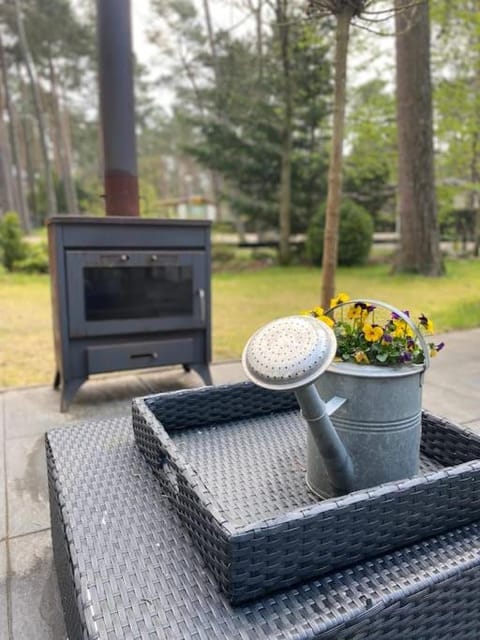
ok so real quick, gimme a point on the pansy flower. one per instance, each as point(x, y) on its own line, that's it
point(317, 312)
point(361, 357)
point(402, 329)
point(435, 348)
point(385, 338)
point(339, 299)
point(426, 323)
point(372, 332)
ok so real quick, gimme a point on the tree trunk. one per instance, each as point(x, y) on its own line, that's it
point(475, 163)
point(7, 188)
point(63, 146)
point(27, 58)
point(19, 194)
point(334, 194)
point(257, 10)
point(67, 137)
point(29, 140)
point(215, 178)
point(419, 250)
point(285, 188)
point(475, 195)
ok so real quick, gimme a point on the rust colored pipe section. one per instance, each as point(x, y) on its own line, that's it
point(117, 107)
point(121, 194)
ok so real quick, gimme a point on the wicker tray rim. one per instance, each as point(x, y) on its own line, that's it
point(218, 516)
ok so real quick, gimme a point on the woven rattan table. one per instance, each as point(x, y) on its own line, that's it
point(128, 570)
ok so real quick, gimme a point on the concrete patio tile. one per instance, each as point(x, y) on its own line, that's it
point(171, 380)
point(105, 396)
point(31, 412)
point(27, 492)
point(36, 609)
point(3, 509)
point(3, 592)
point(37, 410)
point(455, 404)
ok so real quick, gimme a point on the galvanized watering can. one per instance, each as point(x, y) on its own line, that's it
point(374, 433)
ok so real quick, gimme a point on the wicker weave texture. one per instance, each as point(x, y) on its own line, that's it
point(238, 485)
point(128, 571)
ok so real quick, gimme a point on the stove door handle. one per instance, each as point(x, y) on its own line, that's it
point(201, 295)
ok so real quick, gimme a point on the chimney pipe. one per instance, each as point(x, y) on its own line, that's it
point(117, 110)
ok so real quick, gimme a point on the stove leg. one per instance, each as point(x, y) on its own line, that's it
point(56, 381)
point(203, 371)
point(69, 389)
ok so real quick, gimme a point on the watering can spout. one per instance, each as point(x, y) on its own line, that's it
point(336, 458)
point(290, 354)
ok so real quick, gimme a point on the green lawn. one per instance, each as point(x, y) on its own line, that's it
point(241, 303)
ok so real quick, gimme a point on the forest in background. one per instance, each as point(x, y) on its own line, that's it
point(221, 137)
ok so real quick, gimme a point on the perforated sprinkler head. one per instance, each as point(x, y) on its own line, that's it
point(289, 353)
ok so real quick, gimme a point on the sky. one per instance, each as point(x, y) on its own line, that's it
point(222, 16)
point(374, 61)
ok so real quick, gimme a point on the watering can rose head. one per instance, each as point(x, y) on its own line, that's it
point(369, 333)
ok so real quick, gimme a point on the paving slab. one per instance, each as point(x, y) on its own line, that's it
point(3, 487)
point(457, 405)
point(452, 384)
point(30, 412)
point(36, 609)
point(27, 490)
point(222, 373)
point(35, 410)
point(3, 592)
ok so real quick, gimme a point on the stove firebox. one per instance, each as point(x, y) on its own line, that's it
point(128, 293)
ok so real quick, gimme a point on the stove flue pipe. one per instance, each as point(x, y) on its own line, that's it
point(117, 110)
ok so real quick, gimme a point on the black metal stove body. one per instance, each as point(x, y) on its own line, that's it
point(128, 293)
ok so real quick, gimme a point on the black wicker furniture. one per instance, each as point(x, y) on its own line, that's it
point(127, 569)
point(232, 460)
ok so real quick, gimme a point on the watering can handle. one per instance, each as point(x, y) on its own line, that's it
point(403, 316)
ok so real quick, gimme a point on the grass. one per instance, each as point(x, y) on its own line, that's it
point(241, 303)
point(26, 340)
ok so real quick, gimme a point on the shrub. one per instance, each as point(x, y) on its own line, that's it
point(35, 260)
point(11, 242)
point(223, 253)
point(355, 235)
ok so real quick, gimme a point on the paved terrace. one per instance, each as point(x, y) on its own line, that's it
point(29, 600)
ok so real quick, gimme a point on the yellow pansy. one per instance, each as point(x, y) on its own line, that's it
point(402, 329)
point(360, 357)
point(326, 319)
point(338, 299)
point(426, 323)
point(372, 333)
point(354, 312)
point(318, 311)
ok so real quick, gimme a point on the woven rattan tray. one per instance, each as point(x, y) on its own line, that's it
point(232, 461)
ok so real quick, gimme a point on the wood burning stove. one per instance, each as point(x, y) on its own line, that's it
point(128, 293)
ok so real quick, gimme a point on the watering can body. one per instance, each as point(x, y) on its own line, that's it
point(379, 423)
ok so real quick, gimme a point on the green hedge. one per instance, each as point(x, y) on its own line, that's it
point(355, 235)
point(35, 260)
point(12, 246)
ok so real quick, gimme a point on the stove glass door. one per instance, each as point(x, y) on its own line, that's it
point(133, 292)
